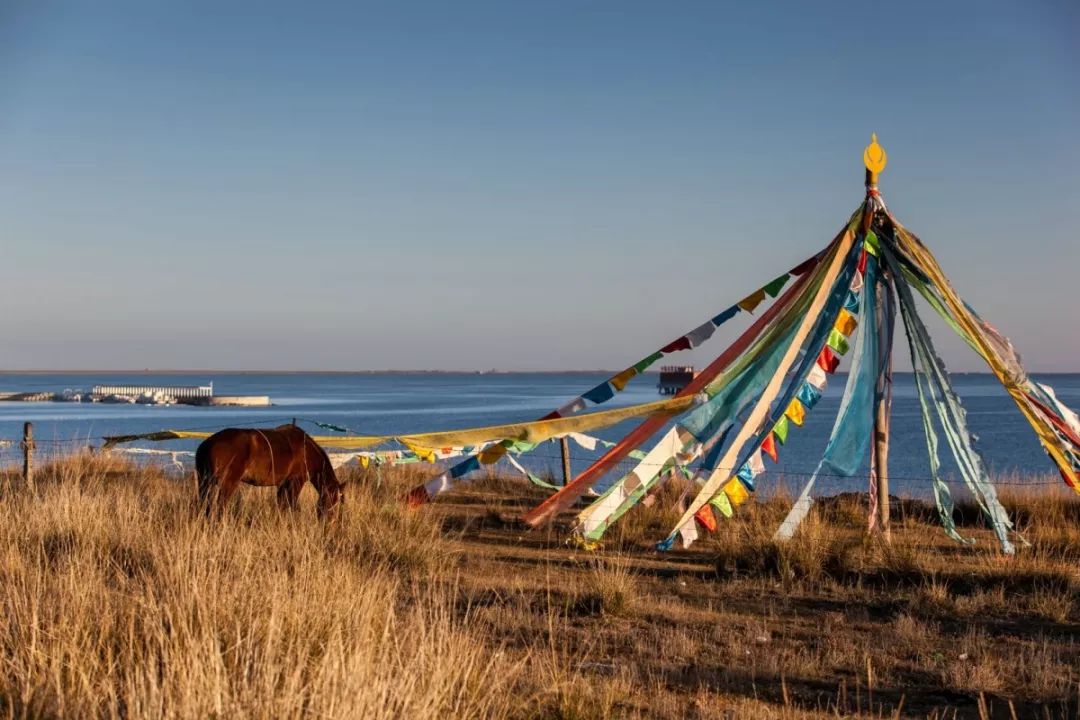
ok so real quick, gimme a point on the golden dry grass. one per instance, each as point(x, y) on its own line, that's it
point(119, 601)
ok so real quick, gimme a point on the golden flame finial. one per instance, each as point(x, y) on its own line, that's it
point(874, 157)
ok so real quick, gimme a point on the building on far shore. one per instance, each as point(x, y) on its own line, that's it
point(674, 378)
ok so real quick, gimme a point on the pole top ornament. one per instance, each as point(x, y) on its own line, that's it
point(875, 157)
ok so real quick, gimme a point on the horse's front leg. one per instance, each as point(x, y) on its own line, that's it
point(288, 493)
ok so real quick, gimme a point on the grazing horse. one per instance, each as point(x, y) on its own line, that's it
point(285, 457)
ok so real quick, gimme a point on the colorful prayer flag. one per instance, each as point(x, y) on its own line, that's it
point(780, 429)
point(751, 301)
point(818, 378)
point(773, 288)
point(600, 394)
point(736, 492)
point(643, 365)
point(795, 411)
point(828, 361)
point(837, 342)
point(721, 503)
point(846, 322)
point(808, 395)
point(706, 518)
point(726, 315)
point(619, 381)
point(682, 343)
point(769, 447)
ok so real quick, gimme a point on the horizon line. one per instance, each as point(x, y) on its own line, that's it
point(413, 371)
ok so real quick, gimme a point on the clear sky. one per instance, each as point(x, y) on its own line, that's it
point(513, 185)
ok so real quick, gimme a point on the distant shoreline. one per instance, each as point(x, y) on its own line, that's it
point(309, 372)
point(203, 371)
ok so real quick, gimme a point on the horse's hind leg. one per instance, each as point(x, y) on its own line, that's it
point(207, 485)
point(227, 485)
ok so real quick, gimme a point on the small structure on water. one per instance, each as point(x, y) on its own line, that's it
point(144, 395)
point(674, 378)
point(175, 392)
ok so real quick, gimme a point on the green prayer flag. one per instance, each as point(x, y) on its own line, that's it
point(780, 430)
point(838, 342)
point(642, 365)
point(773, 288)
point(872, 244)
point(722, 504)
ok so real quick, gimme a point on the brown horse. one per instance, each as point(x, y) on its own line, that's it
point(285, 457)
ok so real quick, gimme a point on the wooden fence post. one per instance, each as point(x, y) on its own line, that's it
point(565, 444)
point(28, 453)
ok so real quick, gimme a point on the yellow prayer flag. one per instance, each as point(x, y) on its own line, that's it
point(491, 454)
point(736, 492)
point(796, 411)
point(751, 301)
point(620, 380)
point(846, 322)
point(424, 453)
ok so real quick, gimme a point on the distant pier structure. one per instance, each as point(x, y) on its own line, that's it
point(178, 392)
point(143, 395)
point(674, 378)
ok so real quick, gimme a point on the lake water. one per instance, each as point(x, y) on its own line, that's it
point(408, 403)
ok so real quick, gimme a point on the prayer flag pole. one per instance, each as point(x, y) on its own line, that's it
point(875, 158)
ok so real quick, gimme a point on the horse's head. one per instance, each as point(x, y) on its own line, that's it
point(331, 500)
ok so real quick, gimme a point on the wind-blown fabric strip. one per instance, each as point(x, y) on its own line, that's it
point(533, 478)
point(934, 385)
point(561, 500)
point(688, 439)
point(1035, 393)
point(692, 339)
point(607, 389)
point(593, 521)
point(837, 277)
point(997, 353)
point(702, 427)
point(1072, 420)
point(530, 432)
point(816, 379)
point(684, 441)
point(173, 455)
point(159, 436)
point(851, 432)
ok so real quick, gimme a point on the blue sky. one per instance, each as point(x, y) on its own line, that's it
point(511, 185)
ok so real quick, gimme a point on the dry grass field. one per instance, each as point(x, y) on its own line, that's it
point(118, 600)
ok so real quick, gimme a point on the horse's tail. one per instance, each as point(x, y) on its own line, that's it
point(202, 460)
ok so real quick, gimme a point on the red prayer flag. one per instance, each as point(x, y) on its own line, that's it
point(827, 360)
point(682, 343)
point(862, 261)
point(769, 447)
point(416, 497)
point(803, 266)
point(705, 518)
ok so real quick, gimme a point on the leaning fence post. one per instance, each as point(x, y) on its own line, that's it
point(565, 446)
point(28, 453)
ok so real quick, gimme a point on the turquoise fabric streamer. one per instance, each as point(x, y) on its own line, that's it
point(936, 392)
point(849, 440)
point(822, 328)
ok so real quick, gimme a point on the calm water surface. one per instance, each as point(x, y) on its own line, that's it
point(407, 403)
